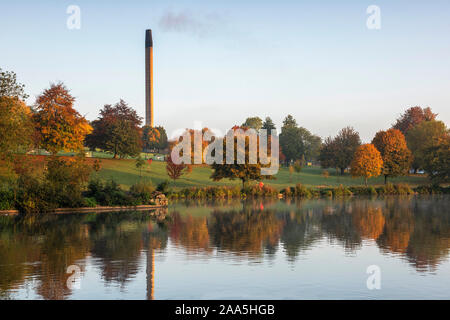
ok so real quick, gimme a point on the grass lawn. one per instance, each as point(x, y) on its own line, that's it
point(125, 173)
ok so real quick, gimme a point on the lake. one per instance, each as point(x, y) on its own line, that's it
point(271, 249)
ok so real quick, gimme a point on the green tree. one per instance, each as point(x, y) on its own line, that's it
point(9, 87)
point(124, 140)
point(289, 122)
point(117, 130)
point(268, 124)
point(292, 142)
point(163, 140)
point(253, 122)
point(437, 162)
point(312, 148)
point(297, 142)
point(139, 163)
point(422, 137)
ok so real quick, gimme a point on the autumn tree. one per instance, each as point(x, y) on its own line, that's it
point(117, 130)
point(150, 138)
point(412, 117)
point(367, 162)
point(9, 87)
point(16, 126)
point(393, 149)
point(59, 125)
point(437, 161)
point(245, 171)
point(174, 171)
point(253, 122)
point(338, 152)
point(422, 137)
point(154, 138)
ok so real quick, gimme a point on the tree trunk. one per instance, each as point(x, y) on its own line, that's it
point(342, 171)
point(385, 179)
point(365, 181)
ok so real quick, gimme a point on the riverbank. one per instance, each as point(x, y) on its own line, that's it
point(98, 209)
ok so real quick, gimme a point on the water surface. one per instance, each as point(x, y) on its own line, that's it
point(314, 249)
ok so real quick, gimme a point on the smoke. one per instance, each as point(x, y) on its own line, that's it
point(186, 22)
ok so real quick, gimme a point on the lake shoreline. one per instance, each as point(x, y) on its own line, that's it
point(97, 209)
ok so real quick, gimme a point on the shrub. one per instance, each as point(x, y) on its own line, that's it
point(90, 202)
point(302, 191)
point(298, 165)
point(6, 198)
point(110, 194)
point(387, 189)
point(66, 180)
point(142, 192)
point(423, 190)
point(433, 189)
point(342, 191)
point(163, 187)
point(287, 192)
point(34, 196)
point(403, 189)
point(363, 190)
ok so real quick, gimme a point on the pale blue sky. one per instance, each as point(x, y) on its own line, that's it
point(226, 60)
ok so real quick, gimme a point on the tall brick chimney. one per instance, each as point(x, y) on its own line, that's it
point(149, 78)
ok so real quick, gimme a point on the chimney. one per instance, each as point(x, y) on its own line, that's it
point(148, 78)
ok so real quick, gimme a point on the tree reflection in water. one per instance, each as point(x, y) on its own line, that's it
point(37, 253)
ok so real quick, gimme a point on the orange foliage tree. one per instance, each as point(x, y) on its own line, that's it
point(60, 126)
point(367, 162)
point(396, 155)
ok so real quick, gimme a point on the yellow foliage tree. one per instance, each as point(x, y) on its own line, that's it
point(367, 162)
point(16, 127)
point(60, 126)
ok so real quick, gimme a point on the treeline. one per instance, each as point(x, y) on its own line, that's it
point(53, 124)
point(416, 141)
